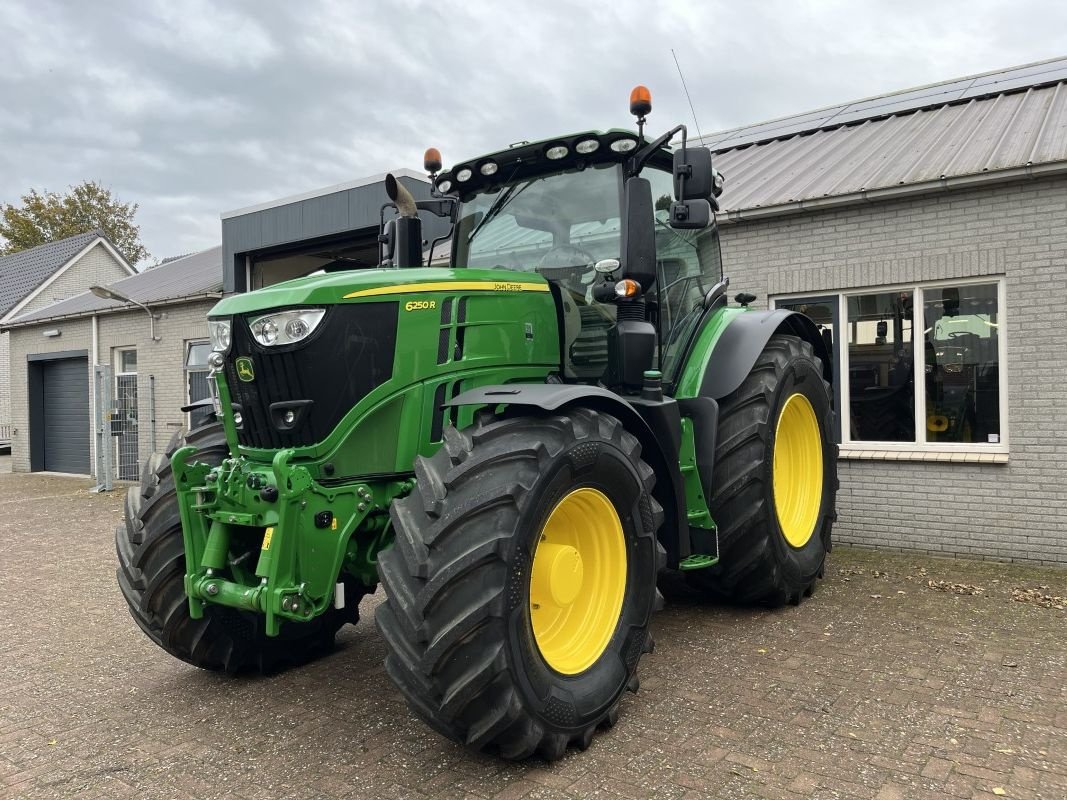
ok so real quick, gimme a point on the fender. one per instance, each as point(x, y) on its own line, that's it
point(736, 350)
point(655, 450)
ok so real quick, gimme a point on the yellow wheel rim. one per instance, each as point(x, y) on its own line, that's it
point(578, 581)
point(797, 470)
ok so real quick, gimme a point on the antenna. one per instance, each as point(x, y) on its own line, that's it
point(687, 97)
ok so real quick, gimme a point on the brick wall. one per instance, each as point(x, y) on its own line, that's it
point(163, 360)
point(160, 363)
point(1016, 510)
point(97, 267)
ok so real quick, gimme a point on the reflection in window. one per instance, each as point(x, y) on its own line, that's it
point(881, 367)
point(961, 338)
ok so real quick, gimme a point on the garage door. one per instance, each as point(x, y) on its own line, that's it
point(65, 407)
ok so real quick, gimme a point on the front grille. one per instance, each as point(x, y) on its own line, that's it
point(350, 354)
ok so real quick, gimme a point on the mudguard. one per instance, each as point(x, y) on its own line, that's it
point(670, 493)
point(740, 344)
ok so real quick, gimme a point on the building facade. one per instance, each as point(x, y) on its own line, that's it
point(153, 367)
point(35, 278)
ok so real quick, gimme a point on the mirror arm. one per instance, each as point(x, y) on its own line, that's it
point(641, 157)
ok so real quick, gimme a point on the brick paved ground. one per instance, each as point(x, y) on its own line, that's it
point(879, 687)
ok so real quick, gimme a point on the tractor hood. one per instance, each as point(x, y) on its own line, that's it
point(357, 285)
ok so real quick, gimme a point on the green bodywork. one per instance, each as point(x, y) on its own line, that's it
point(276, 531)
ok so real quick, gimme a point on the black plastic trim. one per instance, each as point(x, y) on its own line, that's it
point(744, 339)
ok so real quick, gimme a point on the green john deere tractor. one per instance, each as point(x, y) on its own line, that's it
point(514, 446)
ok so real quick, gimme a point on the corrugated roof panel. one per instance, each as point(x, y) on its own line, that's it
point(1051, 138)
point(951, 91)
point(995, 133)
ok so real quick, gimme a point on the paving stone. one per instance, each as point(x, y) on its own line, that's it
point(899, 701)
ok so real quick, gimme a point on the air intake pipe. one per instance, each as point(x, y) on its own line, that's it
point(407, 231)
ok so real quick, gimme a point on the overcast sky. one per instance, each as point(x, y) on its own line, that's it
point(193, 108)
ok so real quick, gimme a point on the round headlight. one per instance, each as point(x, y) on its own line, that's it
point(444, 186)
point(265, 331)
point(488, 168)
point(463, 175)
point(587, 146)
point(219, 330)
point(557, 152)
point(623, 145)
point(297, 328)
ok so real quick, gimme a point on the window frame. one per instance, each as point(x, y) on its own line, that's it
point(917, 288)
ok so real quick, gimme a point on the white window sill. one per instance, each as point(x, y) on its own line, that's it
point(951, 456)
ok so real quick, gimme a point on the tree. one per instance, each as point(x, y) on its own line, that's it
point(49, 216)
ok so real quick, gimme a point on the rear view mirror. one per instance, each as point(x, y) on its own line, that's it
point(387, 243)
point(690, 214)
point(694, 163)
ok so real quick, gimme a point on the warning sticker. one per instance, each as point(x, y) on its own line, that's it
point(266, 538)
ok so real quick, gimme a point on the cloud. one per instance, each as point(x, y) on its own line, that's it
point(193, 108)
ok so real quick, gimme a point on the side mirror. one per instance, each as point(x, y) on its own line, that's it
point(639, 232)
point(387, 243)
point(694, 163)
point(690, 214)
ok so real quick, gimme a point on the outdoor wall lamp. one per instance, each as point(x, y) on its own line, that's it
point(111, 294)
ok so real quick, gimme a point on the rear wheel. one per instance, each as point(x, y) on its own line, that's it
point(776, 479)
point(519, 589)
point(151, 575)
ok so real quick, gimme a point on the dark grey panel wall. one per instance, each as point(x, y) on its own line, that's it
point(350, 211)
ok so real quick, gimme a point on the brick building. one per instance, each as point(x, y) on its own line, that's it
point(156, 365)
point(34, 278)
point(924, 230)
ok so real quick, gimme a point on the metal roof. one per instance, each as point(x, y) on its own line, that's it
point(22, 272)
point(195, 276)
point(956, 90)
point(1011, 135)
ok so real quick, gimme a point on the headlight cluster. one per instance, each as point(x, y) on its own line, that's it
point(466, 176)
point(221, 338)
point(285, 327)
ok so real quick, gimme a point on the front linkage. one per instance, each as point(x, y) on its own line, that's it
point(307, 535)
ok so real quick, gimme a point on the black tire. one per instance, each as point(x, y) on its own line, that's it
point(757, 564)
point(456, 618)
point(151, 574)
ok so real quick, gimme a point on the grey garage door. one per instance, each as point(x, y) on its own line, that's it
point(65, 406)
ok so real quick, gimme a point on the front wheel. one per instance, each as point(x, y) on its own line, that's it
point(775, 480)
point(520, 586)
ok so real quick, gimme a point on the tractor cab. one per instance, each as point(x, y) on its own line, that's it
point(621, 228)
point(563, 219)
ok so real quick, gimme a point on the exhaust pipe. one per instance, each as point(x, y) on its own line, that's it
point(407, 227)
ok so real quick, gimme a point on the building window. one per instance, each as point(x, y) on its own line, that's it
point(920, 368)
point(196, 374)
point(124, 415)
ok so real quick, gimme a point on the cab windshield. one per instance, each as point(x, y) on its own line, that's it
point(550, 223)
point(559, 225)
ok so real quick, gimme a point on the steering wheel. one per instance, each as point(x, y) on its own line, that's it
point(566, 258)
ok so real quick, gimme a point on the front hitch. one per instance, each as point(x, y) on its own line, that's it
point(306, 535)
